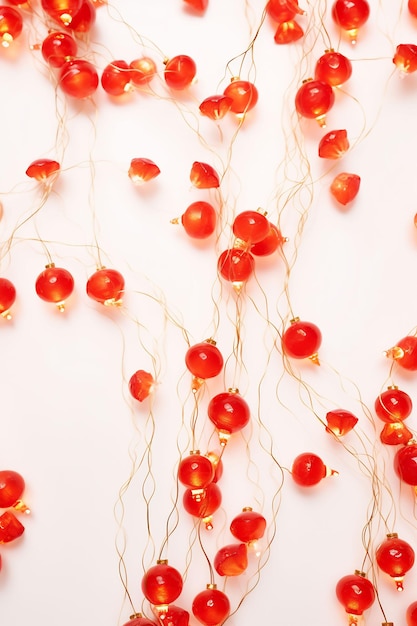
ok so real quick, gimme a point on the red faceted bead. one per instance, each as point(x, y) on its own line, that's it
point(333, 68)
point(308, 469)
point(356, 593)
point(12, 486)
point(10, 527)
point(116, 78)
point(172, 615)
point(282, 10)
point(393, 405)
point(141, 384)
point(231, 560)
point(345, 187)
point(180, 72)
point(270, 243)
point(301, 340)
point(11, 25)
point(204, 360)
point(197, 5)
point(142, 170)
point(162, 584)
point(139, 620)
point(405, 58)
point(58, 47)
point(314, 99)
point(350, 15)
point(211, 607)
point(412, 7)
point(195, 471)
point(204, 176)
point(229, 412)
point(250, 226)
point(216, 107)
point(199, 220)
point(405, 353)
point(334, 144)
point(340, 422)
point(411, 614)
point(243, 94)
point(143, 70)
point(84, 18)
point(78, 78)
point(54, 285)
point(288, 32)
point(205, 505)
point(106, 286)
point(7, 297)
point(236, 266)
point(395, 557)
point(61, 10)
point(43, 169)
point(405, 464)
point(248, 526)
point(395, 434)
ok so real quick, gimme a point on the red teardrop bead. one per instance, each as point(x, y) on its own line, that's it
point(243, 94)
point(12, 486)
point(204, 360)
point(231, 560)
point(308, 469)
point(411, 614)
point(393, 405)
point(314, 99)
point(162, 584)
point(141, 385)
point(106, 286)
point(229, 412)
point(301, 340)
point(288, 32)
point(216, 107)
point(180, 72)
point(7, 297)
point(345, 187)
point(43, 169)
point(405, 353)
point(211, 607)
point(84, 18)
point(195, 471)
point(10, 527)
point(395, 434)
point(269, 244)
point(58, 47)
point(143, 70)
point(356, 593)
point(142, 170)
point(204, 176)
point(334, 144)
point(405, 464)
point(250, 226)
point(350, 15)
point(11, 25)
point(116, 78)
point(395, 557)
point(248, 525)
point(205, 505)
point(340, 422)
point(55, 285)
point(333, 68)
point(78, 78)
point(199, 220)
point(236, 265)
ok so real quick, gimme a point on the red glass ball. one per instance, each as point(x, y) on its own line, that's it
point(204, 506)
point(84, 18)
point(405, 58)
point(12, 486)
point(345, 187)
point(405, 353)
point(216, 107)
point(228, 411)
point(204, 360)
point(142, 170)
point(143, 70)
point(116, 78)
point(350, 14)
point(162, 584)
point(301, 340)
point(10, 527)
point(204, 176)
point(61, 10)
point(412, 7)
point(172, 615)
point(58, 47)
point(180, 72)
point(395, 557)
point(393, 405)
point(211, 607)
point(250, 226)
point(269, 244)
point(140, 621)
point(248, 525)
point(231, 560)
point(356, 593)
point(78, 78)
point(411, 615)
point(42, 169)
point(405, 464)
point(7, 296)
point(314, 99)
point(106, 286)
point(141, 384)
point(288, 32)
point(199, 220)
point(11, 25)
point(340, 422)
point(195, 471)
point(243, 94)
point(54, 284)
point(308, 469)
point(236, 265)
point(334, 144)
point(281, 10)
point(333, 68)
point(395, 434)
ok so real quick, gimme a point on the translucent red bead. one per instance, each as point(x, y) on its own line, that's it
point(356, 594)
point(43, 169)
point(78, 78)
point(243, 94)
point(334, 144)
point(195, 471)
point(405, 464)
point(269, 244)
point(204, 360)
point(395, 434)
point(345, 187)
point(405, 58)
point(393, 405)
point(116, 78)
point(143, 70)
point(301, 340)
point(250, 226)
point(106, 286)
point(405, 353)
point(340, 422)
point(395, 557)
point(141, 385)
point(10, 527)
point(248, 525)
point(199, 220)
point(61, 10)
point(12, 486)
point(162, 584)
point(11, 25)
point(333, 68)
point(55, 285)
point(236, 266)
point(180, 72)
point(204, 176)
point(314, 99)
point(288, 32)
point(83, 20)
point(282, 10)
point(350, 15)
point(308, 469)
point(216, 107)
point(229, 412)
point(58, 47)
point(7, 297)
point(231, 560)
point(203, 507)
point(411, 614)
point(142, 170)
point(211, 607)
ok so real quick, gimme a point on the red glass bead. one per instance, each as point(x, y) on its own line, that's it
point(7, 297)
point(10, 527)
point(250, 226)
point(288, 32)
point(12, 486)
point(204, 360)
point(412, 7)
point(356, 593)
point(282, 10)
point(211, 607)
point(405, 58)
point(405, 463)
point(340, 422)
point(116, 78)
point(302, 340)
point(143, 70)
point(61, 10)
point(172, 615)
point(411, 614)
point(203, 507)
point(334, 144)
point(345, 187)
point(43, 169)
point(333, 68)
point(314, 99)
point(11, 25)
point(143, 170)
point(308, 469)
point(204, 176)
point(139, 620)
point(216, 107)
point(395, 557)
point(162, 584)
point(229, 412)
point(395, 433)
point(405, 353)
point(78, 78)
point(199, 220)
point(243, 94)
point(180, 72)
point(197, 5)
point(270, 243)
point(84, 18)
point(106, 286)
point(141, 384)
point(350, 15)
point(236, 266)
point(195, 471)
point(248, 525)
point(393, 405)
point(231, 560)
point(54, 285)
point(58, 47)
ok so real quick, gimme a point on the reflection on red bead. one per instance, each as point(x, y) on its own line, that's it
point(395, 434)
point(405, 464)
point(345, 187)
point(10, 527)
point(248, 525)
point(84, 18)
point(58, 47)
point(334, 144)
point(282, 10)
point(340, 422)
point(139, 620)
point(116, 78)
point(180, 72)
point(411, 615)
point(78, 78)
point(204, 360)
point(333, 68)
point(7, 297)
point(231, 560)
point(143, 70)
point(350, 15)
point(11, 25)
point(142, 170)
point(204, 176)
point(61, 10)
point(395, 557)
point(205, 505)
point(405, 353)
point(197, 5)
point(12, 486)
point(199, 220)
point(211, 607)
point(236, 266)
point(412, 7)
point(141, 384)
point(162, 584)
point(195, 471)
point(244, 95)
point(229, 412)
point(216, 107)
point(250, 226)
point(314, 99)
point(393, 405)
point(308, 469)
point(106, 286)
point(405, 58)
point(269, 244)
point(301, 340)
point(288, 32)
point(55, 285)
point(42, 169)
point(356, 593)
point(172, 615)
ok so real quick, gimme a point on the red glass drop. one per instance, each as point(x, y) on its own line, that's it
point(340, 422)
point(231, 560)
point(139, 620)
point(333, 68)
point(412, 7)
point(7, 297)
point(250, 226)
point(43, 169)
point(54, 285)
point(405, 463)
point(405, 58)
point(58, 47)
point(216, 107)
point(199, 220)
point(10, 527)
point(334, 144)
point(229, 412)
point(211, 607)
point(204, 176)
point(395, 434)
point(143, 170)
point(12, 486)
point(61, 10)
point(405, 353)
point(180, 72)
point(106, 286)
point(393, 405)
point(356, 593)
point(141, 385)
point(236, 266)
point(203, 507)
point(308, 469)
point(83, 20)
point(162, 584)
point(411, 614)
point(302, 340)
point(197, 5)
point(345, 187)
point(350, 15)
point(204, 360)
point(288, 32)
point(172, 615)
point(282, 10)
point(11, 25)
point(243, 94)
point(269, 244)
point(248, 525)
point(116, 78)
point(314, 99)
point(78, 78)
point(143, 70)
point(195, 471)
point(395, 557)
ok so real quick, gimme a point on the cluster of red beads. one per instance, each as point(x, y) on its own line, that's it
point(12, 486)
point(282, 13)
point(239, 97)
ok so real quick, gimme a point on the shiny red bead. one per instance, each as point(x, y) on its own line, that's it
point(180, 72)
point(405, 464)
point(143, 70)
point(204, 176)
point(10, 527)
point(106, 286)
point(197, 5)
point(405, 58)
point(142, 170)
point(356, 593)
point(269, 244)
point(83, 20)
point(231, 560)
point(11, 25)
point(395, 557)
point(314, 99)
point(216, 107)
point(211, 607)
point(301, 340)
point(250, 226)
point(58, 47)
point(204, 360)
point(340, 422)
point(43, 169)
point(243, 94)
point(236, 265)
point(248, 525)
point(203, 507)
point(405, 353)
point(395, 434)
point(199, 220)
point(195, 471)
point(350, 15)
point(334, 144)
point(412, 7)
point(141, 385)
point(282, 10)
point(116, 78)
point(7, 297)
point(229, 412)
point(393, 405)
point(162, 584)
point(78, 78)
point(12, 486)
point(411, 614)
point(172, 615)
point(333, 68)
point(61, 10)
point(308, 469)
point(55, 285)
point(345, 187)
point(288, 32)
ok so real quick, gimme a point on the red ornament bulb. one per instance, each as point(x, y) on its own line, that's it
point(393, 405)
point(7, 297)
point(411, 614)
point(405, 58)
point(205, 505)
point(162, 584)
point(270, 243)
point(58, 47)
point(236, 266)
point(180, 72)
point(308, 469)
point(203, 360)
point(356, 593)
point(143, 70)
point(78, 78)
point(195, 471)
point(314, 99)
point(333, 68)
point(282, 10)
point(345, 187)
point(248, 526)
point(350, 15)
point(141, 385)
point(12, 486)
point(301, 340)
point(84, 18)
point(395, 557)
point(243, 94)
point(211, 607)
point(11, 25)
point(199, 220)
point(405, 463)
point(106, 286)
point(61, 10)
point(405, 353)
point(229, 413)
point(116, 78)
point(231, 560)
point(55, 285)
point(250, 227)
